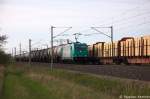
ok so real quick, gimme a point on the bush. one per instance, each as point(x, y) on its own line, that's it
point(4, 58)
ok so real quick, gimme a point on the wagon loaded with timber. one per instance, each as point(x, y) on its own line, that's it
point(128, 50)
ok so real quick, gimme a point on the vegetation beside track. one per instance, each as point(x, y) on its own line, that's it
point(110, 86)
point(25, 83)
point(2, 69)
point(36, 82)
point(4, 57)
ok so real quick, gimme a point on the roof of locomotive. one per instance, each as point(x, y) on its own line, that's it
point(72, 43)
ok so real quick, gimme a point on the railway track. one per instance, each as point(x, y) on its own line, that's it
point(130, 72)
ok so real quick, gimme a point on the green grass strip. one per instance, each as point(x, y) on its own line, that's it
point(18, 87)
point(111, 86)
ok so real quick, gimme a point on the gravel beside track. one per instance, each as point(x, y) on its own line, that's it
point(122, 71)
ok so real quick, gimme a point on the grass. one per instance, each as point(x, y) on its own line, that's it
point(22, 82)
point(114, 87)
point(17, 87)
point(65, 89)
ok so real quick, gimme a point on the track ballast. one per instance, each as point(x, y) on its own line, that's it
point(122, 71)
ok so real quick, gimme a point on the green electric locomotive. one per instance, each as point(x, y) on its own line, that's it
point(74, 52)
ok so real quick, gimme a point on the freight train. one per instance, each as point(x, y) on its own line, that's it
point(128, 50)
point(71, 53)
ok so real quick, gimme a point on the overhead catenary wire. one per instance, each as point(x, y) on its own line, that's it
point(62, 32)
point(133, 25)
point(135, 17)
point(124, 23)
point(128, 18)
point(116, 18)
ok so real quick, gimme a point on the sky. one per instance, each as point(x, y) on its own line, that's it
point(24, 19)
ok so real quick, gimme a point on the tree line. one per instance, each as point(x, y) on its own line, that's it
point(4, 57)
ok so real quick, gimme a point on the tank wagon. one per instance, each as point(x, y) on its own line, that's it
point(72, 52)
point(128, 50)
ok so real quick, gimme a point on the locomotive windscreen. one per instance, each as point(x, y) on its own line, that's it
point(81, 50)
